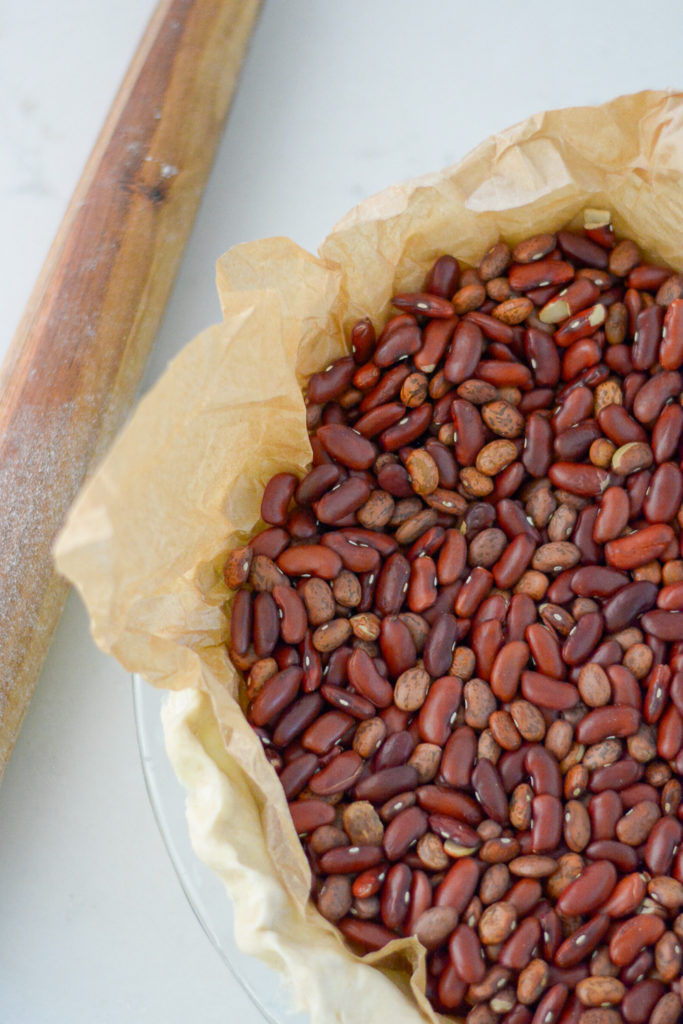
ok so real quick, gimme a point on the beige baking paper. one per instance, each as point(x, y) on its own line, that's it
point(146, 539)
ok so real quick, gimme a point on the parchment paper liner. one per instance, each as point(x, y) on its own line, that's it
point(146, 539)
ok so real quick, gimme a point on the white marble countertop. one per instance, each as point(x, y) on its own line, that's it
point(337, 101)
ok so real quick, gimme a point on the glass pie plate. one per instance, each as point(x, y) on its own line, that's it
point(205, 892)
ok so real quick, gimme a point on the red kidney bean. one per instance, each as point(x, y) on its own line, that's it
point(514, 561)
point(517, 951)
point(403, 830)
point(597, 581)
point(489, 791)
point(591, 889)
point(381, 785)
point(357, 558)
point(458, 757)
point(435, 338)
point(389, 385)
point(547, 692)
point(325, 732)
point(441, 800)
point(458, 885)
point(542, 357)
point(647, 337)
point(538, 440)
point(658, 683)
point(583, 480)
point(397, 645)
point(346, 446)
point(504, 375)
point(345, 498)
point(546, 829)
point(600, 723)
point(581, 943)
point(666, 432)
point(277, 495)
point(407, 429)
point(451, 828)
point(507, 669)
point(467, 955)
point(296, 774)
point(294, 621)
point(437, 714)
point(444, 277)
point(525, 276)
point(619, 427)
point(521, 613)
point(396, 896)
point(469, 431)
point(452, 557)
point(628, 604)
point(613, 515)
point(615, 776)
point(671, 348)
point(392, 584)
point(307, 815)
point(583, 638)
point(473, 591)
point(332, 382)
point(404, 340)
point(638, 1004)
point(422, 589)
point(299, 716)
point(424, 304)
point(486, 640)
point(640, 547)
point(365, 678)
point(545, 650)
point(574, 443)
point(582, 537)
point(622, 856)
point(439, 645)
point(277, 694)
point(661, 845)
point(241, 622)
point(626, 897)
point(664, 625)
point(270, 542)
point(630, 937)
point(464, 353)
point(543, 771)
point(582, 249)
point(653, 396)
point(395, 750)
point(380, 419)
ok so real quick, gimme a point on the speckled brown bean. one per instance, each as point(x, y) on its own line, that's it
point(577, 826)
point(335, 899)
point(497, 923)
point(434, 926)
point(667, 1010)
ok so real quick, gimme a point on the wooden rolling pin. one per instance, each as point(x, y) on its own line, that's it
point(76, 361)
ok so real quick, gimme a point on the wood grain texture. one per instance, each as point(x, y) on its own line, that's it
point(77, 358)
